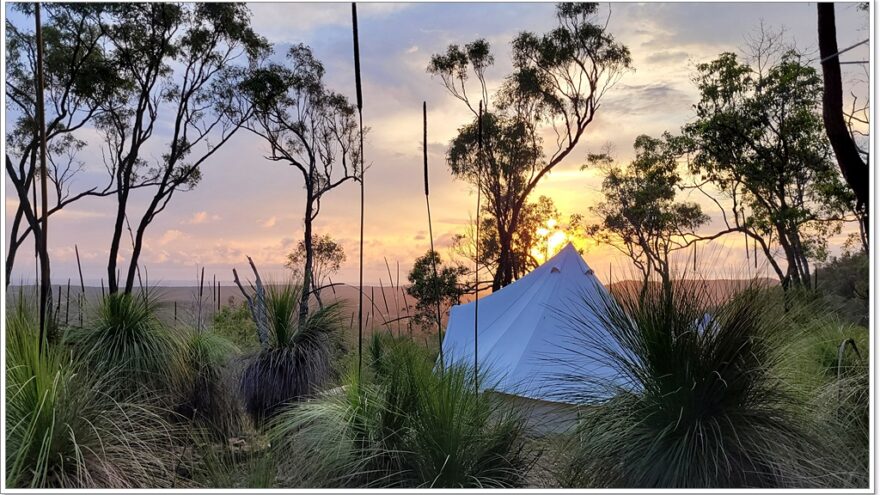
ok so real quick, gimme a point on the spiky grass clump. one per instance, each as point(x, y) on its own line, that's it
point(202, 384)
point(299, 357)
point(411, 426)
point(694, 400)
point(125, 337)
point(64, 431)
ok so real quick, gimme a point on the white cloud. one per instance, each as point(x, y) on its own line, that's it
point(170, 236)
point(201, 217)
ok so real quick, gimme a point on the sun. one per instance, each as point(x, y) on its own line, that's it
point(550, 240)
point(556, 241)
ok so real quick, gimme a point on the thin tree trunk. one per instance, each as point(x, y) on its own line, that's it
point(14, 243)
point(136, 249)
point(307, 269)
point(45, 279)
point(115, 241)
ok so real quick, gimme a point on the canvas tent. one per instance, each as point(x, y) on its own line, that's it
point(524, 340)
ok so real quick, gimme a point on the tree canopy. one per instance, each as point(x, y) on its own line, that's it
point(307, 126)
point(759, 139)
point(641, 215)
point(557, 82)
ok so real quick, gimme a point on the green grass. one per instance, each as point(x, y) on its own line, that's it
point(693, 405)
point(65, 431)
point(221, 465)
point(406, 426)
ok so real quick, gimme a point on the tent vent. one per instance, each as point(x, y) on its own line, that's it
point(555, 269)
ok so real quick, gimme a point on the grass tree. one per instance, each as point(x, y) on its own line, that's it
point(298, 356)
point(66, 430)
point(124, 337)
point(309, 127)
point(557, 82)
point(692, 396)
point(403, 424)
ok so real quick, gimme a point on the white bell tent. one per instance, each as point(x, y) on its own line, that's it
point(524, 340)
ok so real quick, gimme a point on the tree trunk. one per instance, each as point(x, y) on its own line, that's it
point(855, 171)
point(504, 272)
point(792, 258)
point(116, 240)
point(45, 277)
point(307, 269)
point(136, 250)
point(14, 243)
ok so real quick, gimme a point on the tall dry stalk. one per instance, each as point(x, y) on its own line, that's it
point(431, 228)
point(477, 252)
point(360, 106)
point(67, 305)
point(201, 294)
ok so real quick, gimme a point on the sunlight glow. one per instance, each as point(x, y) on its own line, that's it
point(551, 240)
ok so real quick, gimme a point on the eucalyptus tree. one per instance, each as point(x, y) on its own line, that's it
point(78, 77)
point(308, 127)
point(530, 243)
point(176, 60)
point(557, 83)
point(640, 214)
point(328, 256)
point(758, 138)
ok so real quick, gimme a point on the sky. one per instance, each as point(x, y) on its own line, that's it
point(246, 205)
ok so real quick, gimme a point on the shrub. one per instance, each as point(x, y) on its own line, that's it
point(202, 382)
point(298, 359)
point(409, 426)
point(65, 431)
point(125, 337)
point(844, 284)
point(694, 399)
point(235, 324)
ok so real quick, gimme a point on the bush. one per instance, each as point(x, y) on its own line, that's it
point(201, 382)
point(408, 426)
point(126, 338)
point(65, 431)
point(694, 400)
point(827, 359)
point(844, 284)
point(299, 358)
point(235, 324)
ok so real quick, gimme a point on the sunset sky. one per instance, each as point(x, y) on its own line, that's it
point(246, 205)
